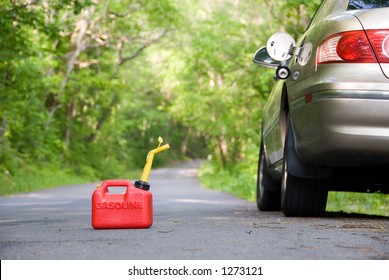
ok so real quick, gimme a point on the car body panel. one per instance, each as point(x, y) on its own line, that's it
point(344, 129)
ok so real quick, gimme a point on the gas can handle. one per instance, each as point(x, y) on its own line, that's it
point(115, 183)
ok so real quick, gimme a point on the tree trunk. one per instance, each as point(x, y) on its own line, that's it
point(69, 119)
point(222, 145)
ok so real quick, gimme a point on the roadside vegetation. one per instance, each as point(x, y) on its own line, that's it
point(87, 86)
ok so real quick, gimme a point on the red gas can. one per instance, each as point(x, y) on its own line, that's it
point(132, 209)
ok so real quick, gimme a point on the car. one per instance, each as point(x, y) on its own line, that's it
point(325, 125)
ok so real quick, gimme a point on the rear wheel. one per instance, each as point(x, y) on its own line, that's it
point(268, 198)
point(301, 196)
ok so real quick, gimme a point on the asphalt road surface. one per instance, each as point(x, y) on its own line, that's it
point(190, 222)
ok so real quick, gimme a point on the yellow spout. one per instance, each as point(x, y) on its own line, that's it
point(150, 158)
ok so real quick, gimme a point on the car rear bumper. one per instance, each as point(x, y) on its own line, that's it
point(342, 128)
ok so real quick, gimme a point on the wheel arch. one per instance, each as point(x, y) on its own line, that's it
point(284, 113)
point(296, 166)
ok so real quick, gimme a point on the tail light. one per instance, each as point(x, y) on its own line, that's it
point(379, 39)
point(355, 47)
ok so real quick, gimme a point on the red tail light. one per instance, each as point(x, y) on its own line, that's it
point(350, 47)
point(379, 40)
point(346, 47)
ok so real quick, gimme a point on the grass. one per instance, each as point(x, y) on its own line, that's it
point(29, 178)
point(361, 203)
point(239, 184)
point(242, 183)
point(34, 178)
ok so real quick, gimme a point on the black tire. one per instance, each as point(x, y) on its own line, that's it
point(267, 198)
point(301, 196)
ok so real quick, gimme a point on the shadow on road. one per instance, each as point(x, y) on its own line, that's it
point(353, 215)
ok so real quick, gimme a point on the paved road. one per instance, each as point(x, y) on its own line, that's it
point(190, 222)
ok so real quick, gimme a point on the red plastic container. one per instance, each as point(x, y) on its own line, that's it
point(132, 209)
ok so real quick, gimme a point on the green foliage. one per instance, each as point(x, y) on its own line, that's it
point(293, 16)
point(361, 203)
point(217, 75)
point(239, 180)
point(30, 178)
point(68, 98)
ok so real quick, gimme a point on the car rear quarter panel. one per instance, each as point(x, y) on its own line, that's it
point(315, 35)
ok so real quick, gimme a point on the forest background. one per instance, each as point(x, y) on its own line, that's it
point(87, 86)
